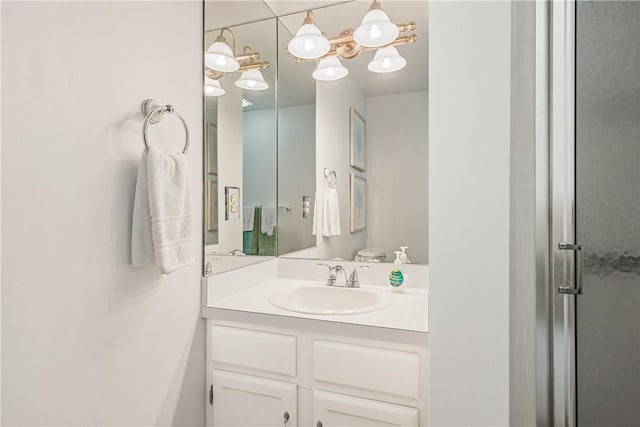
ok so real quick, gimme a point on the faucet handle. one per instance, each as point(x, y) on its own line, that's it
point(354, 282)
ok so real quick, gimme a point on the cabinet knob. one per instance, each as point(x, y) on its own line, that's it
point(285, 418)
point(319, 424)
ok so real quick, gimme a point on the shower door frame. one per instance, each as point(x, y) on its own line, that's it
point(555, 201)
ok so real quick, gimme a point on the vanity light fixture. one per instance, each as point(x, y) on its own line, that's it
point(387, 60)
point(213, 87)
point(330, 68)
point(375, 31)
point(309, 42)
point(252, 80)
point(221, 58)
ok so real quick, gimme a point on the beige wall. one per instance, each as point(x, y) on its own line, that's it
point(86, 338)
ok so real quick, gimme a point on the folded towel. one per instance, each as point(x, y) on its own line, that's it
point(248, 215)
point(330, 213)
point(269, 220)
point(162, 232)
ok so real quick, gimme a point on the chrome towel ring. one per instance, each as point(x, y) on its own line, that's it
point(153, 113)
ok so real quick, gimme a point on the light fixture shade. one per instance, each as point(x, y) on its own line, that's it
point(213, 87)
point(309, 43)
point(252, 80)
point(376, 29)
point(330, 69)
point(387, 60)
point(219, 57)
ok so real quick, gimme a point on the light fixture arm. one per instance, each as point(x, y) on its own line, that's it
point(412, 38)
point(223, 40)
point(375, 5)
point(248, 54)
point(255, 66)
point(310, 18)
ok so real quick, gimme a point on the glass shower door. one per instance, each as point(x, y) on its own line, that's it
point(607, 212)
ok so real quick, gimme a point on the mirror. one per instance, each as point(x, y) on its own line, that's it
point(359, 142)
point(240, 140)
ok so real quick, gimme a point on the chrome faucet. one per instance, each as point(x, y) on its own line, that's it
point(354, 281)
point(349, 282)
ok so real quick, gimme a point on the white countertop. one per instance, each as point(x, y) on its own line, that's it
point(407, 311)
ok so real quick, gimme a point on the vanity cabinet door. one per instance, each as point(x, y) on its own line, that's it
point(339, 410)
point(245, 400)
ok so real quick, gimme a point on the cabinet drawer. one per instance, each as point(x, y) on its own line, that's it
point(370, 368)
point(263, 351)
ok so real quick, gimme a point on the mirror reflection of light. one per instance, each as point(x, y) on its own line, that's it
point(386, 63)
point(221, 60)
point(374, 31)
point(252, 83)
point(331, 71)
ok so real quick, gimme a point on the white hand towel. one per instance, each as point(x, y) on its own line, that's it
point(269, 219)
point(330, 213)
point(162, 232)
point(248, 216)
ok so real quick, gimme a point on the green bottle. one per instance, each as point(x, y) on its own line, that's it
point(397, 275)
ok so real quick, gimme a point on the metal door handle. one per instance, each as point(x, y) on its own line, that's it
point(569, 290)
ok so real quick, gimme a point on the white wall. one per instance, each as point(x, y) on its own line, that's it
point(86, 338)
point(333, 100)
point(397, 147)
point(296, 175)
point(469, 104)
point(0, 220)
point(522, 363)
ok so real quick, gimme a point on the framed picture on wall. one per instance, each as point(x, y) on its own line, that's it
point(211, 204)
point(358, 203)
point(357, 139)
point(211, 149)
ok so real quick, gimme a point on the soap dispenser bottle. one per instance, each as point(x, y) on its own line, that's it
point(403, 256)
point(397, 275)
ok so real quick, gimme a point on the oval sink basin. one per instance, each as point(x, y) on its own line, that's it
point(330, 300)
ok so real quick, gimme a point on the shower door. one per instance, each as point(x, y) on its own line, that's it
point(597, 273)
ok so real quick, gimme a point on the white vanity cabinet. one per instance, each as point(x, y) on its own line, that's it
point(272, 370)
point(247, 400)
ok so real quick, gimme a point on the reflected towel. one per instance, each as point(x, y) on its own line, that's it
point(330, 213)
point(162, 232)
point(269, 220)
point(248, 215)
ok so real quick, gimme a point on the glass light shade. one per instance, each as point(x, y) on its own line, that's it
point(252, 80)
point(330, 69)
point(376, 29)
point(220, 58)
point(387, 60)
point(213, 87)
point(309, 43)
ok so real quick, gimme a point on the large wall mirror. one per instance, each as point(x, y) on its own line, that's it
point(301, 163)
